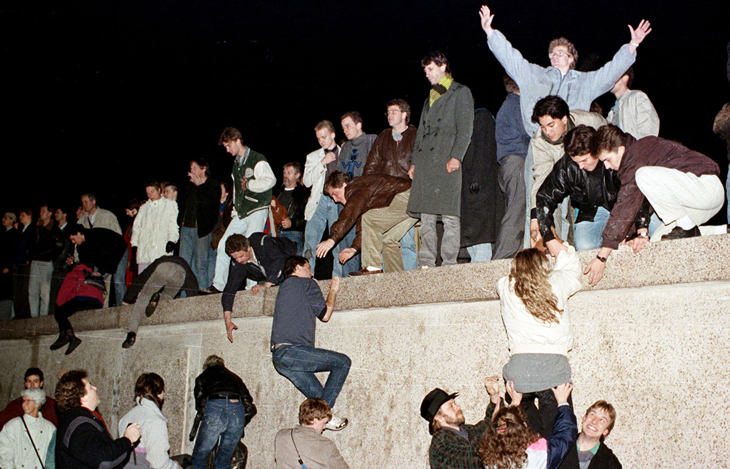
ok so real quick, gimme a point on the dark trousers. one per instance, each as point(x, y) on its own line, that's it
point(21, 280)
point(512, 229)
point(68, 309)
point(541, 417)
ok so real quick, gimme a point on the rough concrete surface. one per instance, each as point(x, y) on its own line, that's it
point(652, 339)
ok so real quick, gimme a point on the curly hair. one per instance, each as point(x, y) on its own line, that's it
point(530, 271)
point(505, 443)
point(70, 389)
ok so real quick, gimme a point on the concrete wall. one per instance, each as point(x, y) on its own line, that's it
point(652, 339)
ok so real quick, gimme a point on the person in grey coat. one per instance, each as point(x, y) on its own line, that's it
point(444, 134)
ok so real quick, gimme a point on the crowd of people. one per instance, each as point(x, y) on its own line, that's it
point(547, 177)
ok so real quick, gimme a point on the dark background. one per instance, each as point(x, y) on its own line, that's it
point(103, 95)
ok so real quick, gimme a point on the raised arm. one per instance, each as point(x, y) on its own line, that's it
point(486, 17)
point(638, 34)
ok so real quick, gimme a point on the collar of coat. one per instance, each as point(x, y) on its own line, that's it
point(571, 126)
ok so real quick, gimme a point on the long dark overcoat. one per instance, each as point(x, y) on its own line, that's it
point(444, 132)
point(482, 203)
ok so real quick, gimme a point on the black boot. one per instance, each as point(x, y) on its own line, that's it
point(74, 341)
point(131, 339)
point(62, 340)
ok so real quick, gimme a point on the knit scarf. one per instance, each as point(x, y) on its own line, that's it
point(439, 89)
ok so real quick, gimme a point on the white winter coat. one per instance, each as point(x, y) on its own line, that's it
point(154, 446)
point(155, 225)
point(16, 450)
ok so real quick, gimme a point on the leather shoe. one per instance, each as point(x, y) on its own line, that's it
point(131, 339)
point(679, 233)
point(366, 271)
point(152, 306)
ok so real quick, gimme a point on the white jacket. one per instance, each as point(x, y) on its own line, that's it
point(314, 175)
point(526, 334)
point(154, 446)
point(155, 225)
point(633, 113)
point(16, 450)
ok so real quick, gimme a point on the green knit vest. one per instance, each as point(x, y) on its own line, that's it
point(246, 201)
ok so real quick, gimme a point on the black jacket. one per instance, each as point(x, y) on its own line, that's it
point(82, 441)
point(48, 244)
point(271, 253)
point(295, 208)
point(220, 381)
point(102, 249)
point(482, 203)
point(190, 283)
point(208, 196)
point(587, 192)
point(25, 244)
point(603, 459)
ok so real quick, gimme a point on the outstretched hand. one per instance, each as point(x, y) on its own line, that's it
point(347, 254)
point(324, 247)
point(641, 31)
point(230, 327)
point(594, 270)
point(487, 19)
point(516, 396)
point(562, 392)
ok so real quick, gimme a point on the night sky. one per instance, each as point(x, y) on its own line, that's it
point(102, 96)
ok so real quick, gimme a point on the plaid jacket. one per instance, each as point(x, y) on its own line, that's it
point(450, 451)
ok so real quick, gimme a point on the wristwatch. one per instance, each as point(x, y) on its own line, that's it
point(602, 259)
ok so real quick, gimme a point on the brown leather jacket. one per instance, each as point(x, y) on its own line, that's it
point(362, 194)
point(391, 158)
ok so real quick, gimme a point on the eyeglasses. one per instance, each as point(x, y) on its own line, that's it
point(393, 112)
point(559, 53)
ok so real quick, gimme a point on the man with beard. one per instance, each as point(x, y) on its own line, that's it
point(455, 443)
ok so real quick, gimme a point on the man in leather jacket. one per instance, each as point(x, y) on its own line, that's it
point(226, 406)
point(377, 204)
point(592, 190)
point(293, 196)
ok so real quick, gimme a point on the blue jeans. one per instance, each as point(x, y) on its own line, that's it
point(195, 252)
point(223, 419)
point(212, 256)
point(727, 189)
point(480, 252)
point(297, 237)
point(588, 235)
point(246, 226)
point(327, 213)
point(299, 363)
point(408, 249)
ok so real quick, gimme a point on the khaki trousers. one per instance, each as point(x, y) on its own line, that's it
point(382, 230)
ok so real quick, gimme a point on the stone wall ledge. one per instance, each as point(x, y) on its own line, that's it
point(684, 261)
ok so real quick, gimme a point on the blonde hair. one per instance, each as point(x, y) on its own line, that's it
point(530, 271)
point(561, 41)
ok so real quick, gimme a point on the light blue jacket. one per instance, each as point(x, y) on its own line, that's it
point(578, 89)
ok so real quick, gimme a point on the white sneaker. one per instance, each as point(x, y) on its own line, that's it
point(336, 424)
